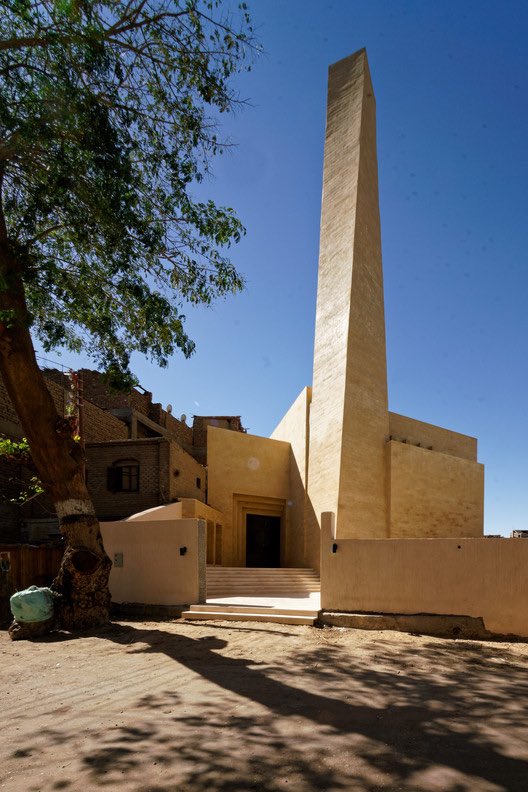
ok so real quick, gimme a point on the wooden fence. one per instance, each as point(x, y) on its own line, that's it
point(22, 566)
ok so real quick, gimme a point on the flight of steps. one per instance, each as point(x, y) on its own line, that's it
point(260, 582)
point(287, 590)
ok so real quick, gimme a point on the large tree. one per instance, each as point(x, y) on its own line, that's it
point(108, 121)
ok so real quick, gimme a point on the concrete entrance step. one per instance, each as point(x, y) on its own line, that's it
point(235, 590)
point(228, 607)
point(248, 614)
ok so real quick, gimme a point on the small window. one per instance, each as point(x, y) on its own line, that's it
point(123, 476)
point(199, 483)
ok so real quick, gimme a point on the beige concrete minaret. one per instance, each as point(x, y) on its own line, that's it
point(349, 422)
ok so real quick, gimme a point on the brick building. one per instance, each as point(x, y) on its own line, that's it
point(128, 477)
point(138, 455)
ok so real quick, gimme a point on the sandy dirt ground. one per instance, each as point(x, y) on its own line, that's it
point(162, 706)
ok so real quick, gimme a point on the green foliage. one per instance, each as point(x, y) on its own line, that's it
point(31, 490)
point(18, 451)
point(15, 451)
point(108, 120)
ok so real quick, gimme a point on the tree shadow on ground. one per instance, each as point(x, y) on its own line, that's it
point(443, 717)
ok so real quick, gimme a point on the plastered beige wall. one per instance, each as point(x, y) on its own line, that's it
point(184, 474)
point(245, 466)
point(434, 494)
point(349, 415)
point(301, 546)
point(190, 507)
point(194, 508)
point(153, 571)
point(293, 429)
point(464, 577)
point(186, 507)
point(443, 440)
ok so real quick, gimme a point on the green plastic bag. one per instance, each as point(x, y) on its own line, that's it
point(34, 604)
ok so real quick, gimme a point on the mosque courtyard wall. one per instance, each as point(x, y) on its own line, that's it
point(157, 559)
point(477, 577)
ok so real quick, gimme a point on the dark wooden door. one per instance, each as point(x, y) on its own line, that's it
point(262, 540)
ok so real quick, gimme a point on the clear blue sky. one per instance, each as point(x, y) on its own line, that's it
point(451, 83)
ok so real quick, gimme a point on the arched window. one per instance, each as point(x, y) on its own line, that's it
point(123, 476)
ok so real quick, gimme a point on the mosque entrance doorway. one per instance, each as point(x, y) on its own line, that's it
point(263, 540)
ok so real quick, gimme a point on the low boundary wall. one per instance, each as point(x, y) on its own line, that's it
point(477, 577)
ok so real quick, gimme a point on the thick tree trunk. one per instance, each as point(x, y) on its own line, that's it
point(83, 578)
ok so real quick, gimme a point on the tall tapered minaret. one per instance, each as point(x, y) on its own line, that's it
point(349, 413)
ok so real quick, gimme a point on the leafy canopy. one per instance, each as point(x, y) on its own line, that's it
point(108, 117)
